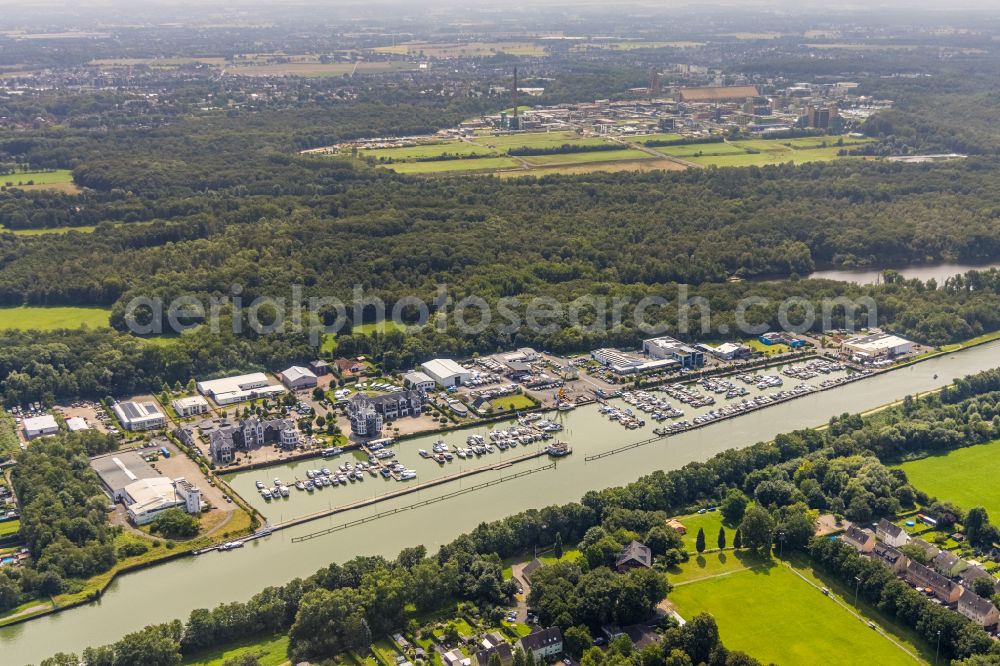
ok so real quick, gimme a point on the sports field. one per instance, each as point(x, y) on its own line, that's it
point(776, 616)
point(456, 166)
point(48, 319)
point(587, 158)
point(425, 150)
point(947, 476)
point(505, 142)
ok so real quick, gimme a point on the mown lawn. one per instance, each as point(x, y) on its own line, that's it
point(710, 521)
point(9, 527)
point(269, 652)
point(37, 177)
point(948, 476)
point(512, 402)
point(587, 158)
point(777, 617)
point(48, 319)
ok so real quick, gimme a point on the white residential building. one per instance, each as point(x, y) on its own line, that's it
point(190, 406)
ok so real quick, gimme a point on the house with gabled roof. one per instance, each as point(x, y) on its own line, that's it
point(891, 557)
point(862, 540)
point(981, 611)
point(634, 556)
point(943, 588)
point(948, 564)
point(892, 534)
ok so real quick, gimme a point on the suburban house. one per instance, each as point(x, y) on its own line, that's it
point(974, 573)
point(455, 658)
point(862, 540)
point(503, 650)
point(979, 610)
point(929, 549)
point(890, 557)
point(543, 645)
point(190, 406)
point(943, 588)
point(892, 534)
point(297, 378)
point(677, 526)
point(948, 564)
point(319, 367)
point(634, 556)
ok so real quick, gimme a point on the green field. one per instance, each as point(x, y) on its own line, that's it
point(8, 435)
point(38, 177)
point(538, 140)
point(269, 652)
point(588, 158)
point(710, 521)
point(9, 527)
point(947, 476)
point(510, 402)
point(690, 149)
point(759, 346)
point(658, 137)
point(43, 232)
point(454, 166)
point(48, 319)
point(774, 615)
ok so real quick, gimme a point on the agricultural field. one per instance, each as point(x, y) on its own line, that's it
point(43, 232)
point(58, 179)
point(771, 612)
point(456, 166)
point(466, 50)
point(686, 150)
point(587, 158)
point(633, 44)
point(503, 143)
point(157, 62)
point(643, 165)
point(947, 476)
point(48, 319)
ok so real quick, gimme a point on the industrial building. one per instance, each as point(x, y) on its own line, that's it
point(418, 380)
point(145, 499)
point(731, 351)
point(37, 426)
point(77, 424)
point(877, 345)
point(190, 406)
point(230, 390)
point(139, 416)
point(666, 347)
point(119, 469)
point(624, 363)
point(446, 373)
point(297, 378)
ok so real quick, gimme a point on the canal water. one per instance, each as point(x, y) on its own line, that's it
point(939, 272)
point(584, 429)
point(174, 589)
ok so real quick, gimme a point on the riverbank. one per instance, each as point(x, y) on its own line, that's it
point(206, 581)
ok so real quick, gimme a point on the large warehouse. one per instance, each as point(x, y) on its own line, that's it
point(237, 389)
point(446, 372)
point(37, 426)
point(298, 378)
point(877, 345)
point(129, 479)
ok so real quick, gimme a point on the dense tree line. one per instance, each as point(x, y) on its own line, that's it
point(63, 517)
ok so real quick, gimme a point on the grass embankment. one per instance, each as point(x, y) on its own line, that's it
point(271, 651)
point(948, 476)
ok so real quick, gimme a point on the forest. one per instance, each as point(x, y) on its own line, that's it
point(63, 517)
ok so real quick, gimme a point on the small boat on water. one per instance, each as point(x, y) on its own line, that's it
point(283, 490)
point(299, 485)
point(265, 493)
point(423, 453)
point(260, 485)
point(310, 487)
